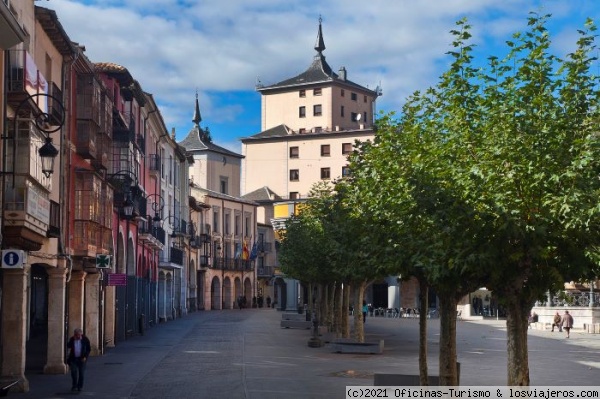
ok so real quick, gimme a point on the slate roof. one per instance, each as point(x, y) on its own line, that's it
point(197, 140)
point(261, 195)
point(192, 143)
point(319, 71)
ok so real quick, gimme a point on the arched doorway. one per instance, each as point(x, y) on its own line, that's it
point(37, 339)
point(227, 294)
point(237, 283)
point(215, 294)
point(162, 287)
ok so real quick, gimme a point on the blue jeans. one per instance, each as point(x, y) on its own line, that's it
point(77, 366)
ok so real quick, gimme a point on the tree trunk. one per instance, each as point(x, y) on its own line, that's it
point(345, 311)
point(338, 299)
point(448, 371)
point(359, 327)
point(423, 307)
point(516, 331)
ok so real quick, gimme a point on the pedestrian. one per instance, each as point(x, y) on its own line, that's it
point(269, 301)
point(557, 322)
point(79, 350)
point(365, 309)
point(567, 322)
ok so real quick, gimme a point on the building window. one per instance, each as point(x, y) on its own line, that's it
point(353, 97)
point(365, 98)
point(325, 173)
point(294, 174)
point(345, 171)
point(302, 112)
point(365, 117)
point(294, 152)
point(237, 227)
point(223, 184)
point(318, 129)
point(317, 92)
point(302, 130)
point(226, 227)
point(294, 195)
point(317, 110)
point(342, 93)
point(216, 220)
point(342, 111)
point(247, 226)
point(353, 116)
point(302, 93)
point(346, 148)
point(325, 150)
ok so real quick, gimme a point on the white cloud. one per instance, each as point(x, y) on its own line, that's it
point(175, 47)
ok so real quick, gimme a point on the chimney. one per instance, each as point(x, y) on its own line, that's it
point(342, 73)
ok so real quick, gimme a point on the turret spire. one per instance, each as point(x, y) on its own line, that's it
point(197, 118)
point(320, 44)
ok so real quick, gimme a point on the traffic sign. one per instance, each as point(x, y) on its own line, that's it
point(13, 258)
point(103, 261)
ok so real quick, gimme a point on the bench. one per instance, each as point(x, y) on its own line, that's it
point(399, 380)
point(342, 345)
point(296, 324)
point(4, 389)
point(293, 316)
point(391, 380)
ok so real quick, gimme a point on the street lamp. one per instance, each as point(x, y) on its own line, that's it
point(44, 123)
point(157, 203)
point(125, 181)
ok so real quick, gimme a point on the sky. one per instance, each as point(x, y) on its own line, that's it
point(221, 49)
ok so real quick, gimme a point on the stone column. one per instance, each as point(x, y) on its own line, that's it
point(57, 288)
point(92, 312)
point(76, 300)
point(109, 316)
point(14, 325)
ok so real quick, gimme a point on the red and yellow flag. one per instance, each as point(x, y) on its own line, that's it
point(245, 253)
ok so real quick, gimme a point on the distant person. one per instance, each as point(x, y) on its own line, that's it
point(269, 301)
point(557, 322)
point(567, 322)
point(365, 309)
point(79, 350)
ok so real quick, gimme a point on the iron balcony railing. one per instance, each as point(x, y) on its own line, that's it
point(567, 298)
point(231, 264)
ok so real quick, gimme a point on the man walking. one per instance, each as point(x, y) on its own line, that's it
point(79, 350)
point(567, 322)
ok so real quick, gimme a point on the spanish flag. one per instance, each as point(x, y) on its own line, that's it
point(245, 253)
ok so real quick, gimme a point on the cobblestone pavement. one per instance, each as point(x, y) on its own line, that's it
point(245, 354)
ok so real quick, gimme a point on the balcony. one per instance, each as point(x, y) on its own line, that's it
point(265, 271)
point(87, 132)
point(154, 164)
point(123, 127)
point(148, 234)
point(231, 264)
point(204, 260)
point(26, 215)
point(176, 256)
point(85, 238)
point(24, 79)
point(265, 247)
point(103, 159)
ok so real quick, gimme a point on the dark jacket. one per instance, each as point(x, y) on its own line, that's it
point(86, 348)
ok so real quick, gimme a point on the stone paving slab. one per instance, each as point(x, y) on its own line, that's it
point(245, 354)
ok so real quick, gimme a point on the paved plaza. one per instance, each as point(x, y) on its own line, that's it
point(245, 354)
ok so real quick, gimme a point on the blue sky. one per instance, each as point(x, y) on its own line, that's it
point(220, 48)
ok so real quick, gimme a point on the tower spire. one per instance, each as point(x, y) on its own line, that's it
point(320, 44)
point(197, 118)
